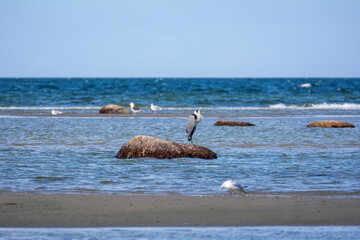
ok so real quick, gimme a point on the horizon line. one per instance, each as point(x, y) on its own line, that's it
point(180, 77)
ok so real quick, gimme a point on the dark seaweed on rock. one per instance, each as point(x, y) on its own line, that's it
point(233, 123)
point(146, 146)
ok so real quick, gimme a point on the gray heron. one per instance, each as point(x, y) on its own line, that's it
point(155, 108)
point(233, 187)
point(134, 108)
point(193, 120)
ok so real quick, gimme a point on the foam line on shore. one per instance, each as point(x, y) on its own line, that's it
point(279, 106)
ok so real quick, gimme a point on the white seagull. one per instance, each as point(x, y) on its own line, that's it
point(55, 112)
point(233, 187)
point(155, 108)
point(134, 108)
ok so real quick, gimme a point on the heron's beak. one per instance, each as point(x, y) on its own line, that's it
point(200, 116)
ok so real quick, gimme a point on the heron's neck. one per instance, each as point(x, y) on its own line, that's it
point(197, 118)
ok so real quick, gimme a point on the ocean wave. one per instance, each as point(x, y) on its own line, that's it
point(317, 106)
point(49, 108)
point(305, 85)
point(279, 106)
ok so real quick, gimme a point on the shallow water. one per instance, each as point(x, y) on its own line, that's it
point(279, 154)
point(277, 232)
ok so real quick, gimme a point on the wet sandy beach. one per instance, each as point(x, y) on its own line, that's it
point(95, 210)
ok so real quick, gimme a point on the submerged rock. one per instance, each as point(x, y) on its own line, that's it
point(113, 108)
point(146, 146)
point(331, 124)
point(232, 123)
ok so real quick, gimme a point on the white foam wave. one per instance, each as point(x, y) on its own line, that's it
point(305, 85)
point(280, 106)
point(211, 108)
point(49, 108)
point(318, 106)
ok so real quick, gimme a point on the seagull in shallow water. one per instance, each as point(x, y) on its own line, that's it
point(233, 187)
point(193, 120)
point(134, 108)
point(55, 112)
point(155, 108)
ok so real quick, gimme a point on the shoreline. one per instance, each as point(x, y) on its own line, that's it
point(112, 210)
point(178, 115)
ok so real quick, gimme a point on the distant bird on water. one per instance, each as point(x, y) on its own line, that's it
point(233, 187)
point(55, 112)
point(155, 108)
point(134, 108)
point(193, 120)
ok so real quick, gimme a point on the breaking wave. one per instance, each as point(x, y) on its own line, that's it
point(49, 108)
point(318, 106)
point(279, 106)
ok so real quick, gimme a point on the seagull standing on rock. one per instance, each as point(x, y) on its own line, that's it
point(134, 108)
point(155, 108)
point(193, 120)
point(233, 187)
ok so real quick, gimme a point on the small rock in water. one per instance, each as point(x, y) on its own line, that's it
point(331, 124)
point(113, 108)
point(232, 123)
point(146, 146)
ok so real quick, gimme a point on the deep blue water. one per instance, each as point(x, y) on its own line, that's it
point(75, 153)
point(176, 94)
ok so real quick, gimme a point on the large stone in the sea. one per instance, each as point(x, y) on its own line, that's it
point(113, 108)
point(331, 124)
point(233, 123)
point(146, 146)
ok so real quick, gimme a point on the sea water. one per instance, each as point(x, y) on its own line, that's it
point(174, 233)
point(225, 96)
point(75, 153)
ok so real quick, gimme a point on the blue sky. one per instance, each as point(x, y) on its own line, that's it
point(184, 38)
